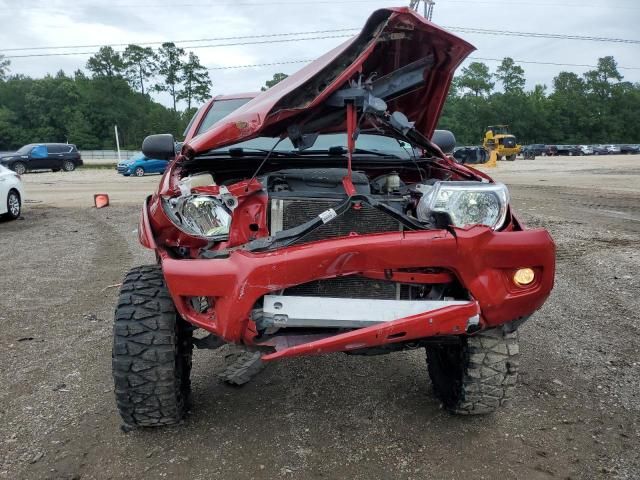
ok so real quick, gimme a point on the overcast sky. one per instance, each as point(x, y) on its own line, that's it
point(50, 23)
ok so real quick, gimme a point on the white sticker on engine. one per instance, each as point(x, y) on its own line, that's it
point(328, 215)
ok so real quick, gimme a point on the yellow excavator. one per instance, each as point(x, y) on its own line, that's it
point(500, 143)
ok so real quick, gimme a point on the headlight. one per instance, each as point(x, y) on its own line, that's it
point(202, 216)
point(466, 203)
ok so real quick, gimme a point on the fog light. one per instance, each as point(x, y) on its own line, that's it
point(524, 276)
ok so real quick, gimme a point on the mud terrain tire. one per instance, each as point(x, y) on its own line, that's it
point(240, 365)
point(476, 376)
point(152, 349)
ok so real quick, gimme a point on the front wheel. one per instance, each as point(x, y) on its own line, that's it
point(139, 172)
point(14, 204)
point(152, 347)
point(511, 158)
point(68, 166)
point(19, 167)
point(477, 375)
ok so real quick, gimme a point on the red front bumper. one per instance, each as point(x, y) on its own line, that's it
point(482, 260)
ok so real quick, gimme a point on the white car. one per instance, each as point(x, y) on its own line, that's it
point(612, 148)
point(586, 149)
point(11, 193)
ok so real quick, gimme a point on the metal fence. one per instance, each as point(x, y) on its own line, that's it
point(106, 156)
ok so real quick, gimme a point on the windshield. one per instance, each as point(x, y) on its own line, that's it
point(375, 143)
point(219, 110)
point(24, 150)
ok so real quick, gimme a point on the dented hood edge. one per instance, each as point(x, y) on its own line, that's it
point(392, 38)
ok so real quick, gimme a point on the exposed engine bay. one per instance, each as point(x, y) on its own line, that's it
point(300, 205)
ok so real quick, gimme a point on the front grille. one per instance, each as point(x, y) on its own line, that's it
point(122, 169)
point(289, 213)
point(347, 287)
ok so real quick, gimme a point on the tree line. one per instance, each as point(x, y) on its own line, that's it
point(82, 108)
point(593, 108)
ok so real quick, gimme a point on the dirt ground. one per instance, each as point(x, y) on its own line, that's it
point(576, 413)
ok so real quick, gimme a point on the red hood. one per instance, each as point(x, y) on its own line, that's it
point(391, 39)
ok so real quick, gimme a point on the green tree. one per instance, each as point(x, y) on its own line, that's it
point(4, 67)
point(476, 79)
point(511, 76)
point(106, 63)
point(140, 64)
point(196, 84)
point(170, 65)
point(277, 78)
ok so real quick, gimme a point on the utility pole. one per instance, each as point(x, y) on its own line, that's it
point(427, 7)
point(115, 128)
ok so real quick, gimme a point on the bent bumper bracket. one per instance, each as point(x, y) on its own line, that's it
point(450, 320)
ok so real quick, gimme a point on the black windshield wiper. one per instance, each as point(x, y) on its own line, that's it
point(243, 151)
point(343, 151)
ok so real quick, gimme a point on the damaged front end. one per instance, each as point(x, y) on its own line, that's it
point(320, 217)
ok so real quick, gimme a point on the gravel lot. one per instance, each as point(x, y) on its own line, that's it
point(576, 412)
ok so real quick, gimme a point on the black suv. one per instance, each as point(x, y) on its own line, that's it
point(569, 150)
point(43, 156)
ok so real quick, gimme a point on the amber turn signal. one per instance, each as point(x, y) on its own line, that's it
point(524, 276)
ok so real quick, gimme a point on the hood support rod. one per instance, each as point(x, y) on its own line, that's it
point(351, 143)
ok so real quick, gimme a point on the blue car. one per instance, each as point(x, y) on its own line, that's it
point(139, 165)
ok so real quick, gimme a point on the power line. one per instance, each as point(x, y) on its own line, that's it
point(560, 36)
point(487, 59)
point(259, 42)
point(215, 39)
point(481, 31)
point(218, 4)
point(255, 65)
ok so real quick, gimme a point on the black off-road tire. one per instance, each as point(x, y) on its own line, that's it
point(478, 375)
point(240, 365)
point(152, 349)
point(510, 158)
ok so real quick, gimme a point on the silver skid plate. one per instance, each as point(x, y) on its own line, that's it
point(286, 311)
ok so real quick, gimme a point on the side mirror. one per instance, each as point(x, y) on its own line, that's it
point(160, 146)
point(445, 140)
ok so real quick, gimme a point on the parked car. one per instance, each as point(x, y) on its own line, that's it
point(550, 151)
point(280, 231)
point(586, 149)
point(568, 150)
point(537, 149)
point(612, 149)
point(471, 155)
point(599, 150)
point(43, 156)
point(11, 194)
point(140, 165)
point(629, 149)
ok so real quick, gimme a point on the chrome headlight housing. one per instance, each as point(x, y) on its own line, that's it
point(466, 203)
point(201, 215)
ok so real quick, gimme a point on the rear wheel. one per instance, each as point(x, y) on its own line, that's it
point(152, 349)
point(477, 375)
point(19, 167)
point(139, 172)
point(14, 204)
point(511, 158)
point(68, 166)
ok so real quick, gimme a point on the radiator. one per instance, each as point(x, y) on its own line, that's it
point(289, 213)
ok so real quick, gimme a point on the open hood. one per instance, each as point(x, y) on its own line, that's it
point(401, 57)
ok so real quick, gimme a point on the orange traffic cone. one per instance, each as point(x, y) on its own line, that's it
point(101, 200)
